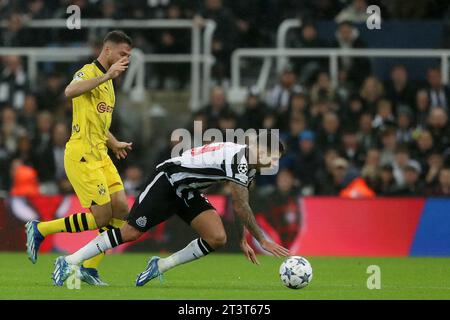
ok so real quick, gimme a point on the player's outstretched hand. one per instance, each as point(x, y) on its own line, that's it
point(275, 249)
point(248, 252)
point(120, 149)
point(117, 68)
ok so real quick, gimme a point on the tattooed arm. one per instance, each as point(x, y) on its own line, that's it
point(241, 206)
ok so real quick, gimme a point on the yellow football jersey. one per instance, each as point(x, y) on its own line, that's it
point(92, 115)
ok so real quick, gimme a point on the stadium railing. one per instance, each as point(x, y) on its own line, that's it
point(237, 92)
point(282, 31)
point(200, 55)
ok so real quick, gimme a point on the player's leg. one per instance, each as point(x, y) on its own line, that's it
point(89, 185)
point(151, 207)
point(196, 211)
point(119, 204)
point(212, 234)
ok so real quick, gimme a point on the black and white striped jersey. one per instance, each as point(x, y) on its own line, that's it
point(200, 167)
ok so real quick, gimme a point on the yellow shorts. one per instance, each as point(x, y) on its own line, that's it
point(93, 181)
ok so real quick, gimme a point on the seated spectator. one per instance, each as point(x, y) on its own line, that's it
point(367, 135)
point(249, 34)
point(308, 159)
point(329, 133)
point(435, 163)
point(254, 111)
point(438, 93)
point(402, 157)
point(423, 147)
point(443, 187)
point(299, 103)
point(11, 131)
point(15, 35)
point(370, 170)
point(350, 148)
point(133, 180)
point(37, 10)
point(14, 83)
point(338, 179)
point(43, 157)
point(225, 36)
point(439, 127)
point(297, 125)
point(398, 88)
point(227, 120)
point(174, 41)
point(371, 91)
point(317, 112)
point(351, 112)
point(218, 102)
point(388, 145)
point(384, 115)
point(51, 95)
point(28, 117)
point(422, 108)
point(307, 67)
point(404, 125)
point(387, 185)
point(279, 97)
point(412, 185)
point(324, 173)
point(356, 69)
point(355, 12)
point(322, 88)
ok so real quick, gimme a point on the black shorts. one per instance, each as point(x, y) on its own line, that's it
point(159, 201)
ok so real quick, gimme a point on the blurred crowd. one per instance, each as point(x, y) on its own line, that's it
point(364, 136)
point(250, 23)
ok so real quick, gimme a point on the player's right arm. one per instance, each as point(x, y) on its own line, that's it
point(241, 206)
point(78, 86)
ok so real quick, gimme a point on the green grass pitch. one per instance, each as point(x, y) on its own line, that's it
point(231, 276)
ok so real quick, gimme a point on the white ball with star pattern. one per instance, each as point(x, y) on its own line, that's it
point(296, 272)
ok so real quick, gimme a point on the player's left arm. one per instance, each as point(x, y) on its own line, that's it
point(119, 148)
point(243, 211)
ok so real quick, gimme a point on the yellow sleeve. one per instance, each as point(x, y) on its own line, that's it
point(84, 73)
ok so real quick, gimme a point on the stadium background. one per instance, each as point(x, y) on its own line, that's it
point(377, 129)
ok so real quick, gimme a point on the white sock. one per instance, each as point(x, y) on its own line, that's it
point(195, 250)
point(104, 241)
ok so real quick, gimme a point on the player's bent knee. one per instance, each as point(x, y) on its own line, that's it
point(218, 240)
point(102, 220)
point(129, 233)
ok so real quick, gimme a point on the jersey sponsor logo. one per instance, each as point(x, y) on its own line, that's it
point(141, 221)
point(103, 107)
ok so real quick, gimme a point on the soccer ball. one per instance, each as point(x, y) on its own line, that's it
point(296, 272)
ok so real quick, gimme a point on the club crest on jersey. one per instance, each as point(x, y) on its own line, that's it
point(141, 221)
point(103, 107)
point(101, 189)
point(75, 128)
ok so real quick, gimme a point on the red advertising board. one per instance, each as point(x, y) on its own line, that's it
point(352, 227)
